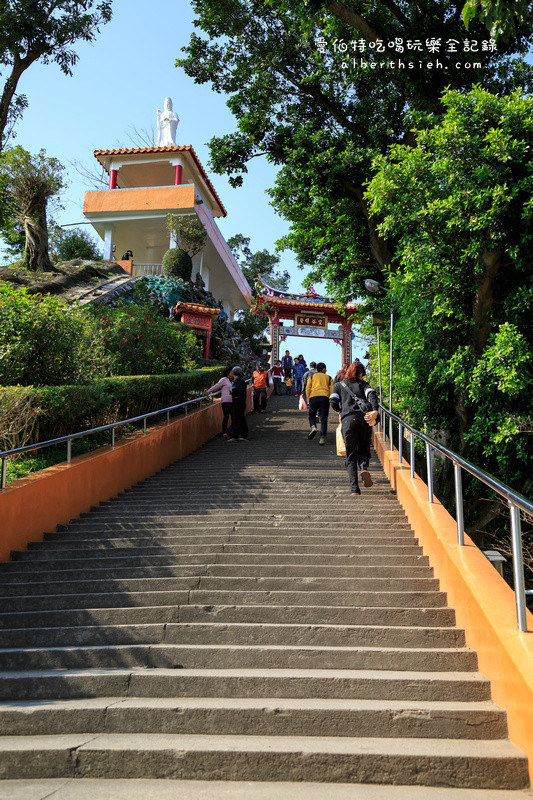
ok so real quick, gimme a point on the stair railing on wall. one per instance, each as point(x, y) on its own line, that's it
point(111, 426)
point(516, 502)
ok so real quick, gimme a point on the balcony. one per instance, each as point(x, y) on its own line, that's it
point(143, 199)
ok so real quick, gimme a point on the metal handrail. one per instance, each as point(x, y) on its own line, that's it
point(516, 501)
point(4, 455)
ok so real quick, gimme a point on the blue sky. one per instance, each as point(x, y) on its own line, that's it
point(119, 82)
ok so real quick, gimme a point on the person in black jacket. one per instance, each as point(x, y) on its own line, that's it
point(357, 404)
point(239, 426)
point(287, 363)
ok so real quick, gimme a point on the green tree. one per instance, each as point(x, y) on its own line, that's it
point(190, 237)
point(459, 209)
point(27, 183)
point(66, 245)
point(189, 233)
point(41, 31)
point(260, 265)
point(501, 18)
point(321, 118)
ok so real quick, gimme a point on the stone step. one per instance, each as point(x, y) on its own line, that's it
point(226, 503)
point(258, 716)
point(443, 762)
point(142, 636)
point(114, 599)
point(175, 545)
point(325, 615)
point(111, 568)
point(139, 789)
point(245, 633)
point(196, 656)
point(297, 683)
point(96, 530)
point(154, 513)
point(50, 559)
point(148, 507)
point(380, 539)
point(218, 583)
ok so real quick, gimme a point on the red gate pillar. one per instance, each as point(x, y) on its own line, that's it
point(274, 339)
point(347, 344)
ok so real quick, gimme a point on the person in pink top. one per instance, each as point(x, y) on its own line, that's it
point(224, 387)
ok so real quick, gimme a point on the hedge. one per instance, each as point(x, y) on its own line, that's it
point(30, 414)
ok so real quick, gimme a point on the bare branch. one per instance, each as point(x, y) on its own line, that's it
point(92, 175)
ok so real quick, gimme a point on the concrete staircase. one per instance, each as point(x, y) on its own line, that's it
point(239, 626)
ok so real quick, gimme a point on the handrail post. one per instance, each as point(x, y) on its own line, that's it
point(518, 568)
point(459, 513)
point(412, 454)
point(168, 417)
point(379, 368)
point(144, 425)
point(112, 437)
point(390, 432)
point(429, 465)
point(69, 450)
point(4, 472)
point(400, 443)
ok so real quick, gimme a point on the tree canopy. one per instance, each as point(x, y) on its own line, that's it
point(322, 117)
point(27, 183)
point(459, 209)
point(41, 31)
point(260, 265)
point(66, 245)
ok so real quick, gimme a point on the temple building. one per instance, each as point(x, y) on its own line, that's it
point(145, 185)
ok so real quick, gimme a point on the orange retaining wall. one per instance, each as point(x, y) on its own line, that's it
point(483, 602)
point(29, 507)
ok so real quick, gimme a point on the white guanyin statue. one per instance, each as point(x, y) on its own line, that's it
point(167, 124)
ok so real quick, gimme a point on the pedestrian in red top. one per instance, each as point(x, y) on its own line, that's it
point(277, 376)
point(260, 389)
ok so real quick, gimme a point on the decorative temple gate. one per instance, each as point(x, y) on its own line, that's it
point(200, 319)
point(310, 315)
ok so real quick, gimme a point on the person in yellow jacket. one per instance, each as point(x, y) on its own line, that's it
point(318, 389)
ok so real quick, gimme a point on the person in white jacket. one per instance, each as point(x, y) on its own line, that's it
point(224, 387)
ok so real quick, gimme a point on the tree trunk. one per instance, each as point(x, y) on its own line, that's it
point(8, 92)
point(492, 261)
point(10, 86)
point(379, 247)
point(36, 256)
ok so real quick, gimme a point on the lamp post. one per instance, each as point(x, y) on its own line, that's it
point(374, 287)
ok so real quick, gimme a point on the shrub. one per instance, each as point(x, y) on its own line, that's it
point(43, 341)
point(67, 409)
point(142, 342)
point(75, 243)
point(177, 264)
point(18, 418)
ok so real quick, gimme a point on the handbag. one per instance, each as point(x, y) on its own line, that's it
point(302, 405)
point(339, 441)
